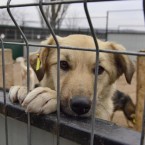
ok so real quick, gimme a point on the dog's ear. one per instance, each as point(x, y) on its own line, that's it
point(42, 55)
point(123, 63)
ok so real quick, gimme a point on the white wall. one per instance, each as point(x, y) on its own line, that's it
point(17, 134)
point(132, 42)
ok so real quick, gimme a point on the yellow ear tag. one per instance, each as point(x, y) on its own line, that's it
point(134, 121)
point(38, 62)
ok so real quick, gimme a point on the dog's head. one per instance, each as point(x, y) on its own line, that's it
point(77, 71)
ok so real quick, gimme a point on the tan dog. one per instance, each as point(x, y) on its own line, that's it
point(76, 78)
point(33, 77)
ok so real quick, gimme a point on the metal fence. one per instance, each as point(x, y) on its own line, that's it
point(58, 47)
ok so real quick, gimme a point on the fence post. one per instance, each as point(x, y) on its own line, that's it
point(140, 91)
point(9, 68)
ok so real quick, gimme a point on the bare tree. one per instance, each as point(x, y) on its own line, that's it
point(54, 13)
point(6, 20)
point(72, 22)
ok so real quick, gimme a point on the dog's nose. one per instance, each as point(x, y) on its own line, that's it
point(80, 105)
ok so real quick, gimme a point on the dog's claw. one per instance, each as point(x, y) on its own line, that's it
point(17, 93)
point(13, 93)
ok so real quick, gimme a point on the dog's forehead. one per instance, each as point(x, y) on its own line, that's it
point(78, 41)
point(87, 57)
point(77, 56)
point(84, 55)
point(84, 42)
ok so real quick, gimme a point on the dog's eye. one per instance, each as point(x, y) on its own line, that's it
point(64, 65)
point(100, 70)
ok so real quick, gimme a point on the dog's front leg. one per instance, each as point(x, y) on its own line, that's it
point(41, 100)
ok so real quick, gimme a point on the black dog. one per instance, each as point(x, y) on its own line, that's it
point(123, 102)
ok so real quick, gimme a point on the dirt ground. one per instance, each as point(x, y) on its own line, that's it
point(131, 91)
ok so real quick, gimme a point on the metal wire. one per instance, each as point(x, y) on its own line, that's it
point(28, 67)
point(133, 53)
point(96, 73)
point(143, 120)
point(107, 24)
point(58, 69)
point(56, 2)
point(4, 91)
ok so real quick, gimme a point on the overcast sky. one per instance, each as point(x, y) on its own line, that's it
point(118, 20)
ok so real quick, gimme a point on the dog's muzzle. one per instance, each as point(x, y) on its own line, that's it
point(80, 105)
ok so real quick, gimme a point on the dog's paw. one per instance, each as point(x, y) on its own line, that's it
point(41, 100)
point(17, 93)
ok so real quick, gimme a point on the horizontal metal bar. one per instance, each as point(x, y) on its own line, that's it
point(55, 2)
point(82, 49)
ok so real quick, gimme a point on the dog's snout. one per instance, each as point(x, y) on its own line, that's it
point(80, 105)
